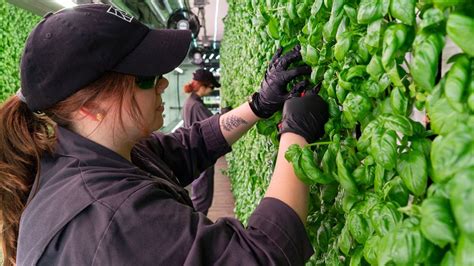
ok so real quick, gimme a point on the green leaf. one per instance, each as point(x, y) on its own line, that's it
point(272, 29)
point(310, 168)
point(357, 105)
point(426, 54)
point(460, 29)
point(395, 191)
point(370, 249)
point(451, 154)
point(384, 148)
point(437, 222)
point(344, 241)
point(342, 46)
point(357, 71)
point(373, 37)
point(344, 177)
point(356, 258)
point(311, 55)
point(461, 191)
point(448, 259)
point(399, 102)
point(398, 123)
point(363, 143)
point(405, 245)
point(359, 227)
point(433, 20)
point(443, 118)
point(413, 170)
point(316, 7)
point(464, 251)
point(396, 41)
point(456, 83)
point(404, 10)
point(375, 68)
point(384, 217)
point(371, 10)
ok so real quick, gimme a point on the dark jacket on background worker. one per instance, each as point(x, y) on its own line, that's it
point(202, 189)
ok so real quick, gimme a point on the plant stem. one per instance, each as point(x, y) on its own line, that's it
point(319, 143)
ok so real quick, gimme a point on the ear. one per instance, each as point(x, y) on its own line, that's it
point(85, 112)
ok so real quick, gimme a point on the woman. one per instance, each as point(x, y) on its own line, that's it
point(203, 84)
point(84, 181)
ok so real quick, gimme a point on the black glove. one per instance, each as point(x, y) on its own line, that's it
point(304, 113)
point(273, 93)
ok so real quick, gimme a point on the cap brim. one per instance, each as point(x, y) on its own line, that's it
point(158, 53)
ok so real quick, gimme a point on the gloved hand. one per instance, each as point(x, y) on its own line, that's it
point(304, 113)
point(272, 94)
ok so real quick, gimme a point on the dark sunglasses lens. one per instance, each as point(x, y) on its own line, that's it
point(146, 82)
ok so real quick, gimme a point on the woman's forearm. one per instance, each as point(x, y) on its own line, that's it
point(284, 184)
point(236, 122)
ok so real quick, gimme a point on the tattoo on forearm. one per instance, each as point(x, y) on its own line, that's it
point(232, 122)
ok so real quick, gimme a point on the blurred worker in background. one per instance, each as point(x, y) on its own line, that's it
point(194, 110)
point(86, 180)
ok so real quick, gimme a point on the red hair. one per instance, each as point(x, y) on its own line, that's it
point(194, 85)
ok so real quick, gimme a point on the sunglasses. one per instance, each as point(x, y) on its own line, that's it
point(147, 82)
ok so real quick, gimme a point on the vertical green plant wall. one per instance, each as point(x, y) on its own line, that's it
point(15, 24)
point(385, 189)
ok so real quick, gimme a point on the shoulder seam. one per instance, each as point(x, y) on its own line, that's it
point(112, 218)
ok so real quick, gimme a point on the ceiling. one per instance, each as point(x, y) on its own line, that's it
point(41, 7)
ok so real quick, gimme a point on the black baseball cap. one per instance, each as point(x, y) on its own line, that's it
point(73, 47)
point(206, 76)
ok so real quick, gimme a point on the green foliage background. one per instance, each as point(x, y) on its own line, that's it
point(392, 200)
point(15, 24)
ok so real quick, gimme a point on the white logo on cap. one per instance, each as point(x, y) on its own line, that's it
point(119, 13)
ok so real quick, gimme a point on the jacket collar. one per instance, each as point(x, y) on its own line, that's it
point(72, 144)
point(196, 97)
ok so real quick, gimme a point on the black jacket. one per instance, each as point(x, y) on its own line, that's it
point(93, 207)
point(194, 110)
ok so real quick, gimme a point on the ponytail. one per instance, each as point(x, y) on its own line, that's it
point(24, 136)
point(193, 86)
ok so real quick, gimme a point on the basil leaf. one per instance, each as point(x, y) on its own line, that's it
point(398, 123)
point(461, 191)
point(450, 154)
point(384, 148)
point(413, 170)
point(404, 10)
point(464, 251)
point(372, 10)
point(460, 29)
point(437, 222)
point(384, 217)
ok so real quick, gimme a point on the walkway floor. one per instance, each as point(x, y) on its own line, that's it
point(223, 202)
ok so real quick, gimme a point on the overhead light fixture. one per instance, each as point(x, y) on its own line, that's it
point(66, 3)
point(211, 56)
point(204, 56)
point(212, 69)
point(218, 56)
point(179, 70)
point(206, 61)
point(215, 23)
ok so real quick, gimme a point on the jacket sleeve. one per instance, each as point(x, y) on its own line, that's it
point(190, 151)
point(149, 230)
